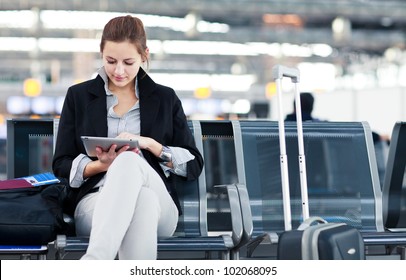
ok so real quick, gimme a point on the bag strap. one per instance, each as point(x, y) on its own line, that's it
point(310, 221)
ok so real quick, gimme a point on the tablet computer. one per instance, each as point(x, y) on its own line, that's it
point(91, 142)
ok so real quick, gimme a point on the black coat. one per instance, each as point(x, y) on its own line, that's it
point(85, 113)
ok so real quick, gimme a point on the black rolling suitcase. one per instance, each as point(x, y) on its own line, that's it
point(314, 239)
point(321, 241)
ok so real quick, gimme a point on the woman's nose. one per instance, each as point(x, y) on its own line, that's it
point(119, 68)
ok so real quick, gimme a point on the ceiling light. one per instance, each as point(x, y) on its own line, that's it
point(341, 28)
point(191, 22)
point(207, 48)
point(68, 45)
point(322, 50)
point(17, 19)
point(96, 20)
point(17, 44)
point(282, 20)
point(221, 82)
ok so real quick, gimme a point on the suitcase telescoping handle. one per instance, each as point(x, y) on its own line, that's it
point(278, 72)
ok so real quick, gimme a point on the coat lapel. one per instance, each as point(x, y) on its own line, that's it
point(149, 102)
point(97, 109)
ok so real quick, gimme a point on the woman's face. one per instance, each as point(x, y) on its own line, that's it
point(122, 63)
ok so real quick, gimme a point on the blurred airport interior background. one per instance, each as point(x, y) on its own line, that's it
point(216, 54)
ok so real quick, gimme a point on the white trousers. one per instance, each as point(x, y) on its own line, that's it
point(129, 212)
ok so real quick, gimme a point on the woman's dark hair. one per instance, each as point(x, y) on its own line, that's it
point(126, 28)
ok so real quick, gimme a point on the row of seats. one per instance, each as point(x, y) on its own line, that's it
point(343, 185)
point(235, 208)
point(342, 179)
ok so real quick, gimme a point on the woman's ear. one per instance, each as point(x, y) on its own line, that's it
point(146, 54)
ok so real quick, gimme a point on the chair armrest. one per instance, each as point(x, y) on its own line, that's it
point(384, 238)
point(60, 245)
point(64, 244)
point(235, 210)
point(270, 237)
point(246, 214)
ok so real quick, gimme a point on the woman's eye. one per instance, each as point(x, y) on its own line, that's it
point(110, 62)
point(129, 63)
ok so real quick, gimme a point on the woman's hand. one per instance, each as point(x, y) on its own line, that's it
point(105, 159)
point(142, 141)
point(145, 143)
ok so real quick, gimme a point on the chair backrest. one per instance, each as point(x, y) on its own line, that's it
point(394, 187)
point(29, 146)
point(204, 209)
point(381, 153)
point(192, 197)
point(342, 176)
point(220, 169)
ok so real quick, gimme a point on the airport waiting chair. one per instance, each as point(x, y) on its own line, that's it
point(394, 196)
point(22, 135)
point(394, 187)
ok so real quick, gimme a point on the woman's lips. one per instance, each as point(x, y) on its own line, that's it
point(119, 79)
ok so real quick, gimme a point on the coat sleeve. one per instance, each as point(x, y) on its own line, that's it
point(66, 149)
point(183, 135)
